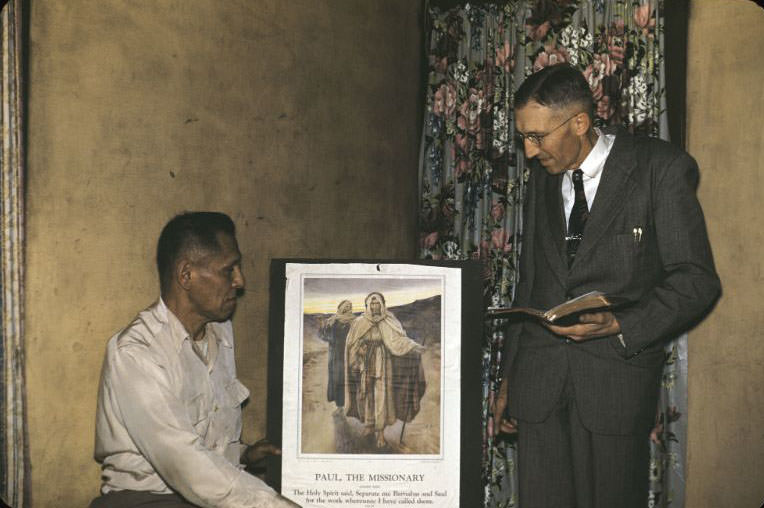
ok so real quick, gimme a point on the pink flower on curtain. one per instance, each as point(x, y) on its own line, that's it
point(450, 99)
point(439, 101)
point(604, 108)
point(615, 42)
point(462, 167)
point(505, 57)
point(596, 71)
point(644, 19)
point(429, 241)
point(462, 142)
point(537, 32)
point(444, 100)
point(469, 112)
point(605, 63)
point(595, 81)
point(497, 212)
point(550, 56)
point(500, 239)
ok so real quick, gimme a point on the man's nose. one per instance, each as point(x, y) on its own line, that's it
point(238, 278)
point(531, 150)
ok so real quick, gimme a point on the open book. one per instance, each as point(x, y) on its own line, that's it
point(592, 301)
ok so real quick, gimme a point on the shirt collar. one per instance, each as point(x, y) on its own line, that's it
point(179, 333)
point(594, 163)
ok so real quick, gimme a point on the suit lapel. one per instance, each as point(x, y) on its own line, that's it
point(615, 186)
point(553, 235)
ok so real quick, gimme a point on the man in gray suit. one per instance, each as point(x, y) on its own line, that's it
point(608, 212)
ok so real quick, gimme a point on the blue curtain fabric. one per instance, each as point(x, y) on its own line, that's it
point(13, 447)
point(472, 175)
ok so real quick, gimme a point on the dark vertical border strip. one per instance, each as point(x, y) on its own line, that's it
point(676, 16)
point(275, 386)
point(471, 482)
point(25, 52)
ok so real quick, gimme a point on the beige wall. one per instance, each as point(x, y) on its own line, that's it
point(299, 118)
point(725, 97)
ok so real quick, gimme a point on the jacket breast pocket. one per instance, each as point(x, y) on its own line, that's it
point(625, 249)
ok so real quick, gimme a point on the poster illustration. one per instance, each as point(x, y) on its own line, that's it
point(371, 385)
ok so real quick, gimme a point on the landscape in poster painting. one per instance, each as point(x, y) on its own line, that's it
point(371, 365)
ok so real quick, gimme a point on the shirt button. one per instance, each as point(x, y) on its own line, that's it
point(568, 340)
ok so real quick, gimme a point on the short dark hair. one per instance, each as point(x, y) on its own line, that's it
point(556, 86)
point(187, 232)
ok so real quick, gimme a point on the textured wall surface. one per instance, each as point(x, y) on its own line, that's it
point(725, 103)
point(298, 118)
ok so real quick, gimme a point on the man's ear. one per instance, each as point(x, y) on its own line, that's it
point(184, 273)
point(582, 123)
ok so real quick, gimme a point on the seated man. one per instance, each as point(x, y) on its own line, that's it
point(168, 423)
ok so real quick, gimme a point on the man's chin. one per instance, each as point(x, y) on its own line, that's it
point(227, 312)
point(550, 167)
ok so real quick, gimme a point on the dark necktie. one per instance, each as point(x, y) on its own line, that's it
point(578, 216)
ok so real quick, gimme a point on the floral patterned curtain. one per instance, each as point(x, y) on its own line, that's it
point(472, 174)
point(14, 479)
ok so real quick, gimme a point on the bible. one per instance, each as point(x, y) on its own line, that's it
point(565, 313)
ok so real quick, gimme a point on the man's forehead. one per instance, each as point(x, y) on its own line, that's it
point(534, 117)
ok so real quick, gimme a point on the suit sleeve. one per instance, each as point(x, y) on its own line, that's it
point(689, 284)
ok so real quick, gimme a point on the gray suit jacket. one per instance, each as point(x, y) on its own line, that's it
point(667, 274)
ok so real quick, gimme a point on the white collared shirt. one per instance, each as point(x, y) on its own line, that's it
point(592, 168)
point(166, 421)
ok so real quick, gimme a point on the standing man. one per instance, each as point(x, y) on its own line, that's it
point(616, 213)
point(374, 393)
point(168, 422)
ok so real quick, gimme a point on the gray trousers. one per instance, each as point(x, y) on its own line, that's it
point(561, 464)
point(132, 498)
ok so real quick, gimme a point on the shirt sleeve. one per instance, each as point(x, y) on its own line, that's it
point(158, 424)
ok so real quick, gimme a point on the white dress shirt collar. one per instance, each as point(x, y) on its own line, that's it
point(595, 161)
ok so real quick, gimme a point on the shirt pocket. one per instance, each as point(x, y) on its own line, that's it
point(236, 393)
point(228, 415)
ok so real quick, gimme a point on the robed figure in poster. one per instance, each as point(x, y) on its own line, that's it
point(383, 370)
point(334, 331)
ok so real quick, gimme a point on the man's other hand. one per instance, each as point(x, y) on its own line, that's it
point(589, 326)
point(254, 453)
point(500, 424)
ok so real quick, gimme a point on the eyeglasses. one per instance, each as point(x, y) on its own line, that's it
point(537, 139)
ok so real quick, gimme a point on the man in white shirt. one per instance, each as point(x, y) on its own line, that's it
point(168, 422)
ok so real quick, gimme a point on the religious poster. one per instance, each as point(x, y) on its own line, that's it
point(372, 390)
